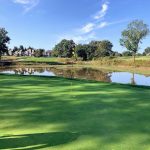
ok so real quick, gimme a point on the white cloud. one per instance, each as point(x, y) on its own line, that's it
point(102, 12)
point(102, 25)
point(84, 38)
point(78, 38)
point(27, 4)
point(88, 28)
point(22, 1)
point(88, 31)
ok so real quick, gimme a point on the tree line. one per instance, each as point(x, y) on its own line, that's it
point(131, 38)
point(95, 49)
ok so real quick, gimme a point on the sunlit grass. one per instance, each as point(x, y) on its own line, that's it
point(64, 114)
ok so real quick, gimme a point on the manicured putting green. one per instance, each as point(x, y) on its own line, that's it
point(61, 114)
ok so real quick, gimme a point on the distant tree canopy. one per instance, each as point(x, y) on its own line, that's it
point(147, 51)
point(65, 48)
point(134, 34)
point(85, 51)
point(117, 54)
point(39, 53)
point(102, 48)
point(127, 53)
point(4, 40)
point(95, 49)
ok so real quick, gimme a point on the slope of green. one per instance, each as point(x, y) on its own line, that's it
point(53, 113)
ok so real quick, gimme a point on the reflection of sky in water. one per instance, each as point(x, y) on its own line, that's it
point(45, 73)
point(125, 77)
point(116, 77)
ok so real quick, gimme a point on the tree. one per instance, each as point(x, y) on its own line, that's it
point(116, 54)
point(147, 51)
point(127, 53)
point(81, 51)
point(39, 53)
point(85, 51)
point(136, 31)
point(65, 48)
point(15, 49)
point(102, 48)
point(4, 40)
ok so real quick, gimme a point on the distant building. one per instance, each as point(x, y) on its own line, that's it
point(29, 52)
point(10, 52)
point(48, 53)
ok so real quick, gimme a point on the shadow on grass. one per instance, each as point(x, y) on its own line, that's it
point(109, 112)
point(36, 141)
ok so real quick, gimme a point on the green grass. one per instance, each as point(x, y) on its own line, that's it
point(39, 59)
point(61, 114)
point(36, 60)
point(33, 59)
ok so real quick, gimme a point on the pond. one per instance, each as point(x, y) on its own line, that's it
point(83, 73)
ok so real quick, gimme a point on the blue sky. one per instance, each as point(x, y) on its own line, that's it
point(43, 23)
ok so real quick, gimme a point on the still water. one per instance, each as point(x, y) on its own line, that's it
point(83, 73)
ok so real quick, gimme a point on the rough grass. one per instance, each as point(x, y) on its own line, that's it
point(142, 61)
point(63, 114)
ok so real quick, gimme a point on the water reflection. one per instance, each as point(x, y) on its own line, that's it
point(133, 79)
point(83, 73)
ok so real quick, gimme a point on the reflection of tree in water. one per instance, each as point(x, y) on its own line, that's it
point(24, 71)
point(133, 79)
point(29, 71)
point(84, 73)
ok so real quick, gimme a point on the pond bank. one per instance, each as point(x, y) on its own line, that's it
point(81, 73)
point(124, 64)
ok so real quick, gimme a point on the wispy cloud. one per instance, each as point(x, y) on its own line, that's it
point(88, 28)
point(103, 11)
point(78, 38)
point(105, 24)
point(88, 31)
point(102, 25)
point(27, 4)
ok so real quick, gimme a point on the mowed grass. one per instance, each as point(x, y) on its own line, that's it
point(62, 114)
point(39, 59)
point(32, 59)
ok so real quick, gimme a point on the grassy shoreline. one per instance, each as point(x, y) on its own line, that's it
point(123, 64)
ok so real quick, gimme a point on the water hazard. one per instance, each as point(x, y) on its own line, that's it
point(83, 73)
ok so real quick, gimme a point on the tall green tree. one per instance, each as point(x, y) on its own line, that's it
point(102, 48)
point(136, 31)
point(39, 53)
point(85, 51)
point(4, 40)
point(80, 50)
point(65, 48)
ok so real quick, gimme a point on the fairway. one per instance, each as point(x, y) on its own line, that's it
point(52, 113)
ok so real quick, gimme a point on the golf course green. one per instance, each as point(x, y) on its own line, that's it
point(52, 113)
